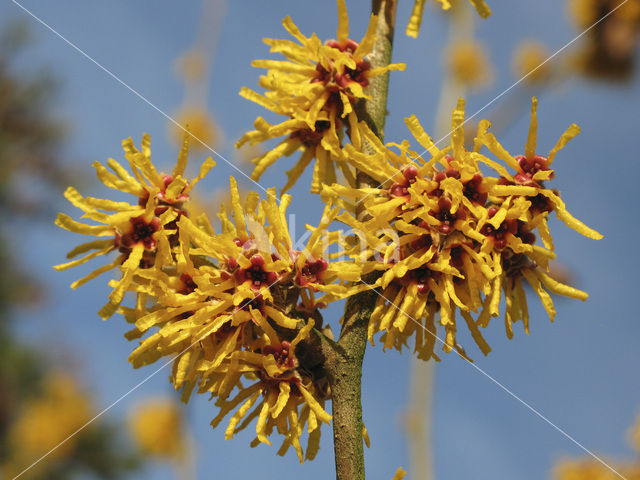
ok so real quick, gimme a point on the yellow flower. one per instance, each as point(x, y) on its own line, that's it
point(528, 62)
point(468, 63)
point(413, 28)
point(448, 238)
point(200, 124)
point(142, 232)
point(157, 427)
point(432, 206)
point(531, 172)
point(282, 395)
point(235, 305)
point(316, 88)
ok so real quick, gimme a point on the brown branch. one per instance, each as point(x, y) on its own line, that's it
point(344, 369)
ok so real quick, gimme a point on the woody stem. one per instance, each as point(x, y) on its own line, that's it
point(345, 369)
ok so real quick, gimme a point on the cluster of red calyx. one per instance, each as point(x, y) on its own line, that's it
point(282, 354)
point(529, 167)
point(256, 274)
point(401, 189)
point(311, 272)
point(140, 231)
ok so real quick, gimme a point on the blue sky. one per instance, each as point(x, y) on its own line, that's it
point(580, 372)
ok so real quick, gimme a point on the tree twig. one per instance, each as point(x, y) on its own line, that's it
point(345, 369)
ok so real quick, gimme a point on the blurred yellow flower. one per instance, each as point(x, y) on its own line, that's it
point(584, 13)
point(468, 63)
point(204, 132)
point(590, 469)
point(608, 50)
point(634, 434)
point(44, 423)
point(157, 427)
point(528, 62)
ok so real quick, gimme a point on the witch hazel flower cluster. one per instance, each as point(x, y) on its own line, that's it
point(448, 238)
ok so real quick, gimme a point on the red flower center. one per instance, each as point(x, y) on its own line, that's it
point(256, 274)
point(311, 272)
point(282, 354)
point(529, 167)
point(141, 232)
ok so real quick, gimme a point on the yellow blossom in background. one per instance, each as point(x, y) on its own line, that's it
point(468, 63)
point(591, 469)
point(316, 89)
point(204, 132)
point(157, 426)
point(44, 423)
point(634, 435)
point(449, 239)
point(584, 13)
point(609, 47)
point(528, 62)
point(413, 28)
point(143, 232)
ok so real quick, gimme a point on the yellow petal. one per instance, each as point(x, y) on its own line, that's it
point(240, 413)
point(343, 23)
point(366, 44)
point(86, 258)
point(571, 132)
point(283, 398)
point(413, 28)
point(315, 406)
point(545, 298)
point(420, 135)
point(181, 164)
point(399, 475)
point(560, 288)
point(481, 7)
point(262, 424)
point(64, 221)
point(530, 147)
point(302, 334)
point(457, 129)
point(568, 219)
point(92, 275)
